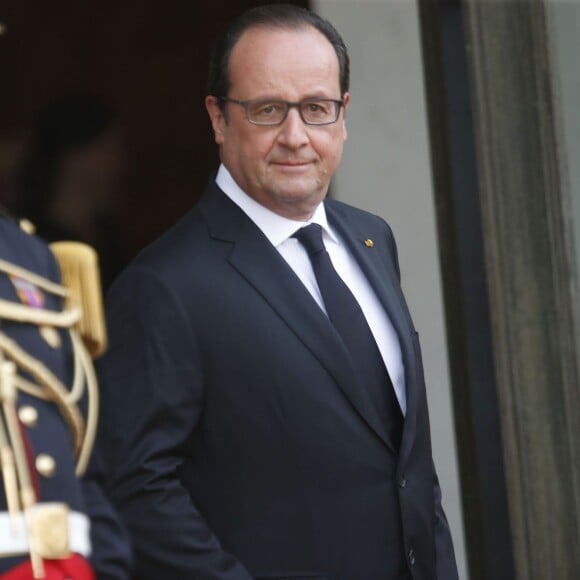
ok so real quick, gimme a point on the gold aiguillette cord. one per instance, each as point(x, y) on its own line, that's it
point(9, 478)
point(27, 496)
point(7, 464)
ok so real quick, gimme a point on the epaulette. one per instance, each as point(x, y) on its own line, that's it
point(25, 225)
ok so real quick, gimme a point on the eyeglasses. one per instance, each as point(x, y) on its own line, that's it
point(271, 112)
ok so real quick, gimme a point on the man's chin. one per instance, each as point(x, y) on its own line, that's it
point(300, 196)
point(298, 205)
point(298, 189)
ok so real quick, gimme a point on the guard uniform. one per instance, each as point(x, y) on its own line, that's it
point(55, 523)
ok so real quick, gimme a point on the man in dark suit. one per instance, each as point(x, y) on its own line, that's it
point(260, 421)
point(55, 521)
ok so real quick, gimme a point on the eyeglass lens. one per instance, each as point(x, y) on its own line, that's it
point(313, 112)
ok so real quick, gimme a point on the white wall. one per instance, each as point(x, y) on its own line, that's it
point(386, 169)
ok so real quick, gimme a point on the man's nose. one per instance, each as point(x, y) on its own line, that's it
point(293, 132)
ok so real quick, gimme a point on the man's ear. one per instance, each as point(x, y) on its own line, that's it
point(216, 115)
point(346, 100)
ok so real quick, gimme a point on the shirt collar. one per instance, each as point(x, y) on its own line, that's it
point(275, 227)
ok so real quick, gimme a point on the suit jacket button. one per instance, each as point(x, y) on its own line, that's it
point(412, 557)
point(402, 482)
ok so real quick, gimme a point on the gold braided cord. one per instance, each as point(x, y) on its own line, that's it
point(30, 388)
point(40, 281)
point(45, 378)
point(9, 478)
point(78, 265)
point(39, 316)
point(73, 396)
point(88, 370)
point(80, 371)
point(27, 494)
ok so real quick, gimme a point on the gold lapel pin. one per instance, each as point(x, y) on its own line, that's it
point(369, 243)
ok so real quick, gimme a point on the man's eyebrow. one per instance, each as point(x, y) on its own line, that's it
point(305, 98)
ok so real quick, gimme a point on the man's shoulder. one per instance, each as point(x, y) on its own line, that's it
point(352, 213)
point(214, 217)
point(176, 250)
point(24, 249)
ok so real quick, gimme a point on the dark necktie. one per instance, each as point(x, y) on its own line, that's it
point(348, 319)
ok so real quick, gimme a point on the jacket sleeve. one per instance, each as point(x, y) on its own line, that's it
point(151, 401)
point(111, 553)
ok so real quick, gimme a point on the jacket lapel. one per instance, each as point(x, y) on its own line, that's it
point(383, 278)
point(262, 266)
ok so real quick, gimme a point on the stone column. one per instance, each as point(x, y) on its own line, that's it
point(526, 224)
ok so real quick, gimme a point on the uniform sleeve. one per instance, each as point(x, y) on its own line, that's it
point(151, 399)
point(110, 548)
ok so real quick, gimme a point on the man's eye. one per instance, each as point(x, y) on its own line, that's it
point(268, 109)
point(318, 109)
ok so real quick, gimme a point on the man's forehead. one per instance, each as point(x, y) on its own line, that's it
point(274, 29)
point(273, 35)
point(265, 50)
point(282, 63)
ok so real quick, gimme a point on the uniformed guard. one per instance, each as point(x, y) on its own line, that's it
point(54, 520)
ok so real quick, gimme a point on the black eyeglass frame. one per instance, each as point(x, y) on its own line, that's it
point(289, 105)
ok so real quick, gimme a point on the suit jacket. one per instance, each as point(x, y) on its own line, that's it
point(239, 442)
point(48, 434)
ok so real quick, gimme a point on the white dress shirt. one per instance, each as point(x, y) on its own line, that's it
point(279, 231)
